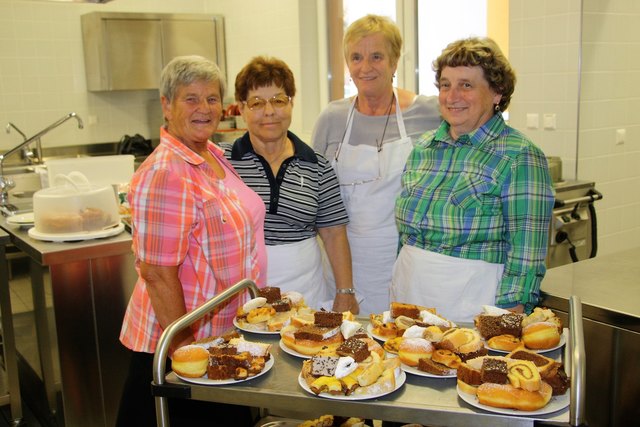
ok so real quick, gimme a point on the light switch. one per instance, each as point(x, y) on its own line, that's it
point(533, 122)
point(549, 121)
point(621, 135)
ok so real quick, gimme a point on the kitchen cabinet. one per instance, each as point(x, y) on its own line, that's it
point(126, 51)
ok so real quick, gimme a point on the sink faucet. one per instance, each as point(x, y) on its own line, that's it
point(26, 152)
point(7, 183)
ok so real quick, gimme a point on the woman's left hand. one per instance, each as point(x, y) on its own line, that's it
point(346, 302)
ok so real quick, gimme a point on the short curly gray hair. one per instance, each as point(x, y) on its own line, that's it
point(184, 70)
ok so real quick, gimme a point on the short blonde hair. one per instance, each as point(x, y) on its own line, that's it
point(373, 24)
point(485, 53)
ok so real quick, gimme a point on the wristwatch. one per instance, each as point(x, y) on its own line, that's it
point(349, 291)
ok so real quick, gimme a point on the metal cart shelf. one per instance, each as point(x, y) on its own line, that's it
point(422, 400)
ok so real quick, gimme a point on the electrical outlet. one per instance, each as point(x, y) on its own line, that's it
point(549, 121)
point(533, 122)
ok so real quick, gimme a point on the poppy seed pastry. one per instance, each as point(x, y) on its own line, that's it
point(323, 365)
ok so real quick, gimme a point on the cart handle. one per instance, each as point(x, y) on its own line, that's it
point(578, 363)
point(162, 349)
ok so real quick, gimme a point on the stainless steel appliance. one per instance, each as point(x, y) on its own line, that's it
point(573, 233)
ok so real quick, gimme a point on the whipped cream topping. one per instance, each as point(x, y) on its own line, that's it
point(345, 366)
point(349, 328)
point(494, 311)
point(433, 319)
point(330, 333)
point(295, 298)
point(253, 304)
point(414, 331)
point(213, 343)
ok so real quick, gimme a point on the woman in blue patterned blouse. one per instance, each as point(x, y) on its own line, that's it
point(476, 199)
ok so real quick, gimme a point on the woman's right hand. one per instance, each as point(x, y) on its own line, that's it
point(346, 302)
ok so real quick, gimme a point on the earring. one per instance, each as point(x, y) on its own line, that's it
point(497, 108)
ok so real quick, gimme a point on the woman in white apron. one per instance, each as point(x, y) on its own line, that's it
point(476, 197)
point(299, 189)
point(369, 182)
point(370, 150)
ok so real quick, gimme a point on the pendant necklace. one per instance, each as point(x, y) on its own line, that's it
point(386, 122)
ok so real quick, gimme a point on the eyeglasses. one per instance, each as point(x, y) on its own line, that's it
point(257, 104)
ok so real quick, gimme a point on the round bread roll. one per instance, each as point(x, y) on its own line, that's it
point(540, 335)
point(308, 347)
point(509, 397)
point(411, 350)
point(504, 342)
point(190, 361)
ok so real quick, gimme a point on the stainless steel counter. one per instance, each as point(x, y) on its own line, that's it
point(609, 287)
point(91, 282)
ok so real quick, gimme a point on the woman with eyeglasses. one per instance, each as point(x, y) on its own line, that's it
point(299, 189)
point(368, 138)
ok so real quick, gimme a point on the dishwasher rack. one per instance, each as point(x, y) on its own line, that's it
point(421, 400)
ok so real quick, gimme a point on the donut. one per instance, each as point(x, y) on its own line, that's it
point(540, 335)
point(504, 342)
point(510, 397)
point(190, 361)
point(411, 350)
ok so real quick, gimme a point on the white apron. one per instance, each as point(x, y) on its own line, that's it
point(298, 267)
point(370, 183)
point(456, 287)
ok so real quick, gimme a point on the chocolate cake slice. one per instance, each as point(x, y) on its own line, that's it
point(357, 349)
point(271, 293)
point(494, 371)
point(281, 305)
point(327, 319)
point(427, 365)
point(315, 333)
point(490, 326)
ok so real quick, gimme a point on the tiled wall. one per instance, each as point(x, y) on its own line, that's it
point(42, 65)
point(611, 101)
point(545, 50)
